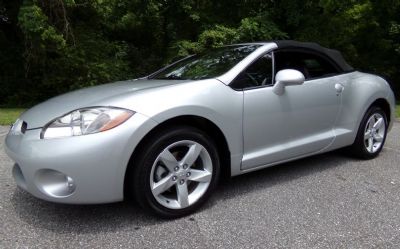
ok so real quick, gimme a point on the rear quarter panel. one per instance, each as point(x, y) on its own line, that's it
point(361, 91)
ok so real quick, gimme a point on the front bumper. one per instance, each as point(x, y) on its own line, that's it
point(76, 170)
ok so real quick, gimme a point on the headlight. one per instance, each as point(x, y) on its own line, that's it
point(86, 121)
point(16, 127)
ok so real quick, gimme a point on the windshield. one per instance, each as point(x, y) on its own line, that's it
point(210, 64)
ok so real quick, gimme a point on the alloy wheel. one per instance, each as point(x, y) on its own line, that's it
point(374, 133)
point(181, 174)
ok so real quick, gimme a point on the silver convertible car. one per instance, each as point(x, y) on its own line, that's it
point(167, 138)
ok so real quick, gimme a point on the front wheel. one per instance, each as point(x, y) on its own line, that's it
point(371, 135)
point(176, 172)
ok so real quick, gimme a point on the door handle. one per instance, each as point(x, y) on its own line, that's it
point(339, 88)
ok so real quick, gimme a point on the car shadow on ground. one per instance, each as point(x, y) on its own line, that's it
point(92, 219)
point(279, 174)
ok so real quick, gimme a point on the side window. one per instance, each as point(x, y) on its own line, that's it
point(318, 67)
point(311, 65)
point(259, 73)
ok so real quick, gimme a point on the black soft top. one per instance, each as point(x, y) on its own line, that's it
point(332, 54)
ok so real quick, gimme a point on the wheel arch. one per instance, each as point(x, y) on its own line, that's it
point(370, 90)
point(380, 102)
point(384, 104)
point(201, 123)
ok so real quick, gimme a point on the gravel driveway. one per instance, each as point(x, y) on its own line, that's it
point(327, 201)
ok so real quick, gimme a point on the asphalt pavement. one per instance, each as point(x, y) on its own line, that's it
point(326, 201)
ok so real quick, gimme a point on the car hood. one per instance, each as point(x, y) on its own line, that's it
point(39, 115)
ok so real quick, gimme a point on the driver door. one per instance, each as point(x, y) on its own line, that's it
point(279, 128)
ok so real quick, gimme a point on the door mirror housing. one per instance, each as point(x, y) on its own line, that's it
point(287, 77)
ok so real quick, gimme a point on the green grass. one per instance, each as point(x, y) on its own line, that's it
point(9, 115)
point(398, 110)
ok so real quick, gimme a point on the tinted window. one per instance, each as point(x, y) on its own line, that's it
point(211, 64)
point(257, 74)
point(311, 65)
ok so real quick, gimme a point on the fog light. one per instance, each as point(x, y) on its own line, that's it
point(54, 183)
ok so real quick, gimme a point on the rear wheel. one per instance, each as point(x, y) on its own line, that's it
point(176, 172)
point(371, 135)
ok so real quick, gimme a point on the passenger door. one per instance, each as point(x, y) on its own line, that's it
point(297, 123)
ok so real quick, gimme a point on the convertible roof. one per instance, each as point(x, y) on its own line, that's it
point(332, 54)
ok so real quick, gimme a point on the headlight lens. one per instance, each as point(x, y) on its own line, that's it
point(16, 127)
point(86, 121)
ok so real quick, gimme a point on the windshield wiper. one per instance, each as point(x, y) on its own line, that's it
point(170, 77)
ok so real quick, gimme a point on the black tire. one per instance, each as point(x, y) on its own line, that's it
point(143, 163)
point(359, 148)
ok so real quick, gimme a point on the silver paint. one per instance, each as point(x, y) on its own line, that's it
point(374, 133)
point(181, 175)
point(261, 128)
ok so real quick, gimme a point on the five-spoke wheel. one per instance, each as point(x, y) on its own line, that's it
point(175, 171)
point(374, 134)
point(371, 134)
point(181, 174)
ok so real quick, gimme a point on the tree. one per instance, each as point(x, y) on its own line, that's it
point(52, 46)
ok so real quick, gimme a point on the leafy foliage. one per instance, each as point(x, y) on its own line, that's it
point(52, 46)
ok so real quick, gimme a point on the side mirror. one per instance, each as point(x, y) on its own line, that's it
point(287, 77)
